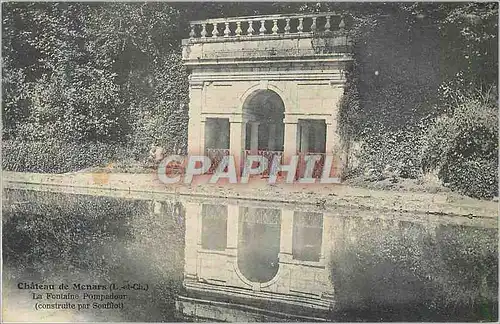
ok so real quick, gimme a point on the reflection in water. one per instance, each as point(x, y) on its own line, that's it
point(399, 270)
point(214, 227)
point(307, 233)
point(259, 243)
point(274, 265)
point(49, 237)
point(285, 264)
point(218, 261)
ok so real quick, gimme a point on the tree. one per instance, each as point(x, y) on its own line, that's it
point(63, 90)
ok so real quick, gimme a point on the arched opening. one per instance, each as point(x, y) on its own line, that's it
point(264, 112)
point(259, 243)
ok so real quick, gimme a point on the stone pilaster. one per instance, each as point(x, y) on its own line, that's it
point(290, 140)
point(192, 238)
point(196, 129)
point(237, 141)
point(332, 140)
point(286, 235)
point(233, 215)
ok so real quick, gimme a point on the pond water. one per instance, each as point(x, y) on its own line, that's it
point(175, 260)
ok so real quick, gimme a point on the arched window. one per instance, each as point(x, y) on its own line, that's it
point(259, 243)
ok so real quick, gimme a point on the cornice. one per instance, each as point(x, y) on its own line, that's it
point(313, 59)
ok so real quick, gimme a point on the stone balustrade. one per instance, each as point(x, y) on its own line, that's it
point(258, 26)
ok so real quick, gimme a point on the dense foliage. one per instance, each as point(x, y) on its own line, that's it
point(418, 73)
point(463, 146)
point(80, 72)
point(111, 73)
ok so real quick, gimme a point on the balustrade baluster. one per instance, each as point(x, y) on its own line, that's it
point(287, 27)
point(192, 32)
point(238, 28)
point(275, 26)
point(313, 26)
point(300, 28)
point(262, 29)
point(203, 30)
point(342, 24)
point(327, 25)
point(215, 32)
point(250, 28)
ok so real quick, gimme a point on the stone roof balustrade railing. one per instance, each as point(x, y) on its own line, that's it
point(295, 25)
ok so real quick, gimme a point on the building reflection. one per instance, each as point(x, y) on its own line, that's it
point(252, 264)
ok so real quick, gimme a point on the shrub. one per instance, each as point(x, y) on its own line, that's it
point(462, 146)
point(55, 156)
point(393, 152)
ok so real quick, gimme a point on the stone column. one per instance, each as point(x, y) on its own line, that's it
point(332, 140)
point(332, 147)
point(325, 237)
point(233, 215)
point(332, 233)
point(286, 235)
point(195, 128)
point(272, 137)
point(204, 132)
point(333, 236)
point(237, 142)
point(192, 239)
point(290, 141)
point(254, 137)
